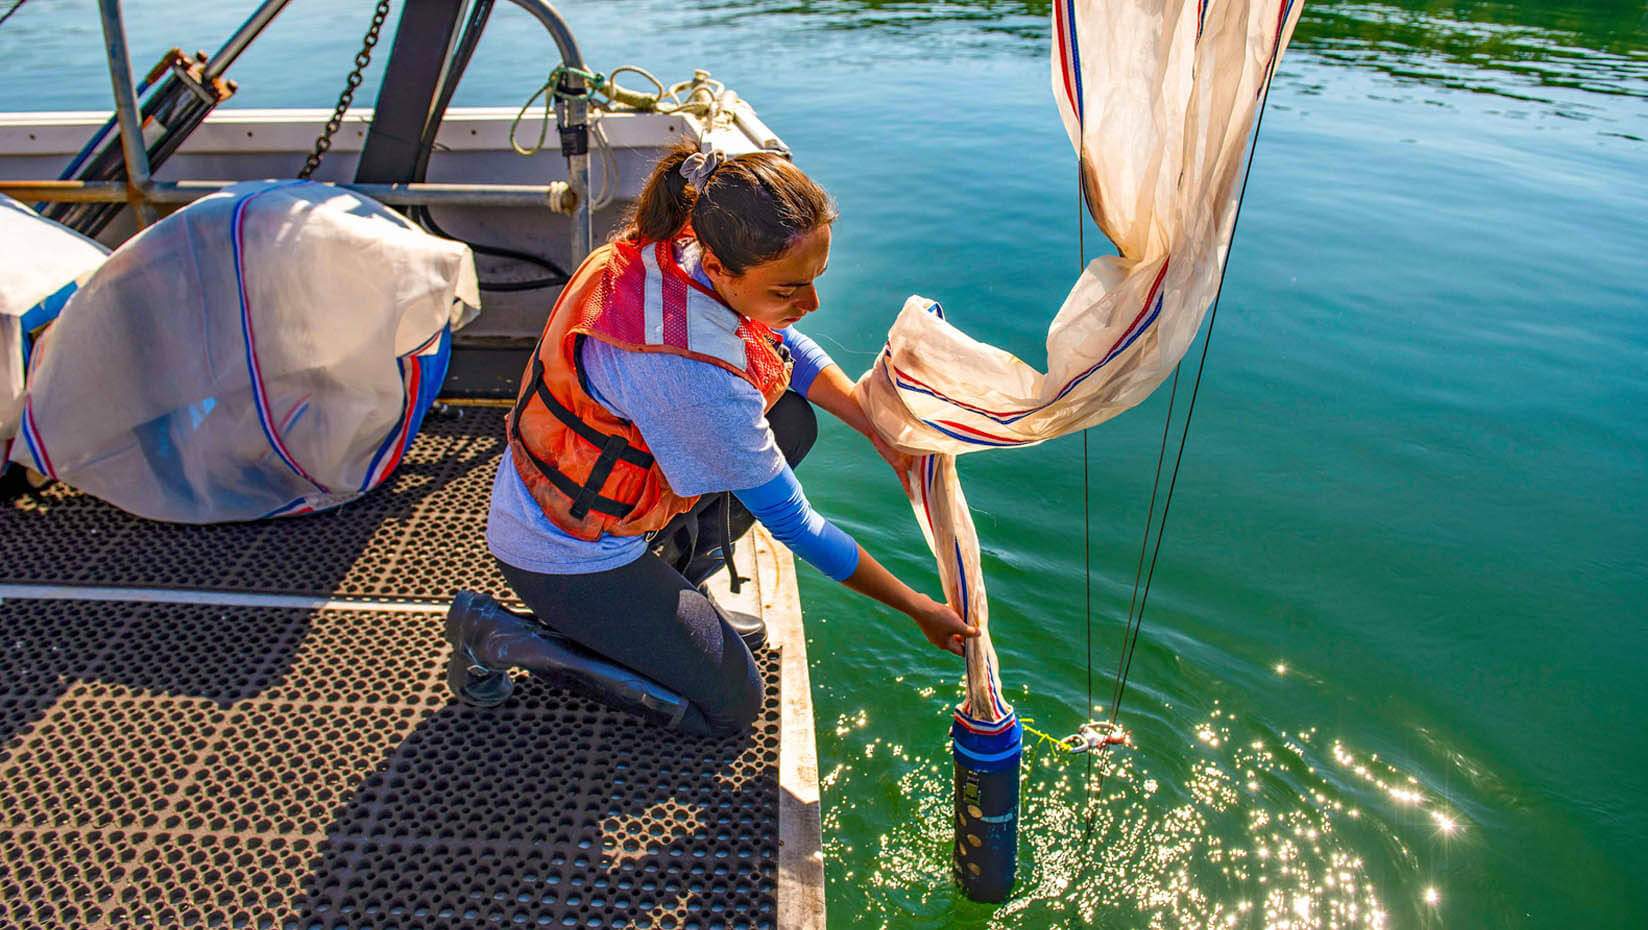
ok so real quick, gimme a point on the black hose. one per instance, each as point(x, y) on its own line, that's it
point(557, 275)
point(461, 55)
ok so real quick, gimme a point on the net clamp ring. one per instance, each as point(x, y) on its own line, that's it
point(1096, 735)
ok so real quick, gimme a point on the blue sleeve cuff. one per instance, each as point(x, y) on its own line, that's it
point(809, 359)
point(782, 508)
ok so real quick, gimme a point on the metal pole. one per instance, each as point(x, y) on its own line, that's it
point(575, 120)
point(125, 108)
point(556, 196)
point(546, 13)
point(243, 37)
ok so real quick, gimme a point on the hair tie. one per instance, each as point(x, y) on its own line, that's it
point(698, 167)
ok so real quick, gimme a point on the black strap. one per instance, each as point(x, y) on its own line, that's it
point(734, 580)
point(614, 448)
point(590, 493)
point(591, 435)
point(686, 539)
point(411, 85)
point(601, 505)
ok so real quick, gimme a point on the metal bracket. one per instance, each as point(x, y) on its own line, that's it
point(1096, 735)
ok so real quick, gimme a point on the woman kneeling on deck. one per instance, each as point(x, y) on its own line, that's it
point(669, 372)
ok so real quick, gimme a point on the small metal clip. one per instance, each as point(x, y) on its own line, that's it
point(1096, 735)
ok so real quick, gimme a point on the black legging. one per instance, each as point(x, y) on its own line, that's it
point(648, 616)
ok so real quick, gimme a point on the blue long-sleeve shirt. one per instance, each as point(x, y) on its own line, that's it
point(808, 357)
point(782, 507)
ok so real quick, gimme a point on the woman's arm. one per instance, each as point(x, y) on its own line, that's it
point(714, 444)
point(781, 506)
point(942, 626)
point(834, 392)
point(821, 381)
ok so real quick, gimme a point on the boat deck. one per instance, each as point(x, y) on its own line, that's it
point(248, 726)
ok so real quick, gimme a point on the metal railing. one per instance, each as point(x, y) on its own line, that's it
point(557, 196)
point(125, 110)
point(144, 193)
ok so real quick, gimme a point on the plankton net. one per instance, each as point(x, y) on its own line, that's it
point(1160, 100)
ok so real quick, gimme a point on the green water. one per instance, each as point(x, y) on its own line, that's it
point(1392, 667)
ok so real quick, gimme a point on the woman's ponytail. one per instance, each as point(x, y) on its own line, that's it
point(666, 201)
point(753, 206)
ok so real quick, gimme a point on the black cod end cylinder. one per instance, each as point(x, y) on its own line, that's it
point(987, 805)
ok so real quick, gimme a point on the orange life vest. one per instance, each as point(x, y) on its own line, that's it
point(589, 470)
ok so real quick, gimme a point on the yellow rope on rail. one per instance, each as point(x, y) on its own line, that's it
point(476, 401)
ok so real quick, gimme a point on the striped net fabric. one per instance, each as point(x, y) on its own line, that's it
point(1159, 99)
point(46, 263)
point(278, 362)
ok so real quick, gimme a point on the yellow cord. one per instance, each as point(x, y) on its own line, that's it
point(1040, 736)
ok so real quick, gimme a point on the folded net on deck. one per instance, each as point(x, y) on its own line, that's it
point(266, 351)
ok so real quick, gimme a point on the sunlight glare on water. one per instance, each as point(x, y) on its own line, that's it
point(1267, 829)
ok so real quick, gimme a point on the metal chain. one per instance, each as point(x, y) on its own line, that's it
point(362, 58)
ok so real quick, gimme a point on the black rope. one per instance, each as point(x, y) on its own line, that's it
point(1087, 510)
point(1130, 636)
point(1087, 571)
point(479, 14)
point(1144, 542)
point(557, 275)
point(14, 8)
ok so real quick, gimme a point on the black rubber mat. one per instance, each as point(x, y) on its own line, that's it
point(203, 766)
point(421, 535)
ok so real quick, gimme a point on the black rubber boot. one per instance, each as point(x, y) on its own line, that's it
point(750, 628)
point(12, 483)
point(468, 625)
point(487, 640)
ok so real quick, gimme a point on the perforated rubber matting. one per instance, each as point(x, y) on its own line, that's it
point(420, 535)
point(166, 765)
point(184, 765)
